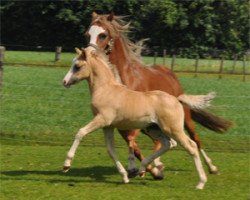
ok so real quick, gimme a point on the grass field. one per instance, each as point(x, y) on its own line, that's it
point(47, 58)
point(34, 172)
point(39, 119)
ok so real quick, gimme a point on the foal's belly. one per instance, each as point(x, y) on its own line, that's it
point(127, 124)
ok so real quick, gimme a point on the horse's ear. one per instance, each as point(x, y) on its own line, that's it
point(94, 15)
point(78, 51)
point(111, 16)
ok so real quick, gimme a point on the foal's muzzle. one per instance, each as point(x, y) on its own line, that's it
point(67, 84)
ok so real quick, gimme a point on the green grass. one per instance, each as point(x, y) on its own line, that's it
point(37, 58)
point(204, 65)
point(34, 172)
point(44, 109)
point(47, 58)
point(39, 118)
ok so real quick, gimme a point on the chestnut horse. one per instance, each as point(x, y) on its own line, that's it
point(116, 106)
point(106, 33)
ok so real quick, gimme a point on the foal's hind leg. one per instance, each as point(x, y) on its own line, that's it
point(191, 147)
point(165, 145)
point(189, 125)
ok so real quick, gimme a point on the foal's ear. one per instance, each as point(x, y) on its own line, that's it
point(78, 51)
point(111, 16)
point(83, 54)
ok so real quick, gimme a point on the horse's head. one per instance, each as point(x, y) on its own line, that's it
point(103, 30)
point(79, 69)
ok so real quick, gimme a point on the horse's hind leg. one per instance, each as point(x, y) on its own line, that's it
point(191, 147)
point(189, 126)
point(134, 150)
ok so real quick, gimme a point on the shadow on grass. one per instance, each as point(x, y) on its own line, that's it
point(99, 174)
point(96, 173)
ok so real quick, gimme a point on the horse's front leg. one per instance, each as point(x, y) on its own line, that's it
point(133, 150)
point(109, 139)
point(97, 122)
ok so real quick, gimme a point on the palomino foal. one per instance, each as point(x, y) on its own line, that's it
point(116, 106)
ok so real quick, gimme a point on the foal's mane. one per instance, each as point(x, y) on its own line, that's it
point(118, 27)
point(101, 57)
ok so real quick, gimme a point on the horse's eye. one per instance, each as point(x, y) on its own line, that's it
point(102, 36)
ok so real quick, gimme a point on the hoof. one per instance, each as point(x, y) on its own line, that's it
point(66, 169)
point(126, 180)
point(133, 173)
point(214, 170)
point(158, 178)
point(200, 186)
point(142, 173)
point(158, 172)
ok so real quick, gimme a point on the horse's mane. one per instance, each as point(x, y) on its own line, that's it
point(118, 27)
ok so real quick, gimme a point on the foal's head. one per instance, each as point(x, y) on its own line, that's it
point(80, 69)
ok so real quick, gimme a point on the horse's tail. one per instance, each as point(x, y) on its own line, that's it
point(205, 118)
point(196, 102)
point(211, 121)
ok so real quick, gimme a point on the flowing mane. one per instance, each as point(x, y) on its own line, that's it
point(118, 27)
point(101, 57)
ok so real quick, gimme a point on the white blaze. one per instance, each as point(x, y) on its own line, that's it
point(70, 72)
point(94, 31)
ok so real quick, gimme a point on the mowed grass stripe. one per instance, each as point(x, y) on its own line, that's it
point(35, 106)
point(34, 172)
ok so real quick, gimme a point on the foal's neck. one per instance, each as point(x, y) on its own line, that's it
point(101, 75)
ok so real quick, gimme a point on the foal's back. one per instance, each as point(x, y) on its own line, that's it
point(133, 109)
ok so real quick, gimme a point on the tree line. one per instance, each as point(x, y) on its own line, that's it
point(189, 28)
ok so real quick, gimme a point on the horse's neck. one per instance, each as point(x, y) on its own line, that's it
point(100, 76)
point(121, 60)
point(117, 56)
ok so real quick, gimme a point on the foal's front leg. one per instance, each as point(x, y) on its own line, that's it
point(97, 122)
point(109, 139)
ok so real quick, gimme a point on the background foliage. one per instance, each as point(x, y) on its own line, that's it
point(184, 27)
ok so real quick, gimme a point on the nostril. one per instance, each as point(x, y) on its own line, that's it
point(64, 82)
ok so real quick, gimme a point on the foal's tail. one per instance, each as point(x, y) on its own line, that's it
point(197, 103)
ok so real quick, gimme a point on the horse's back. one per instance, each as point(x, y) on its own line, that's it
point(156, 77)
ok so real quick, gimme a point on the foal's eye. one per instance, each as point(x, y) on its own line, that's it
point(76, 68)
point(102, 36)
